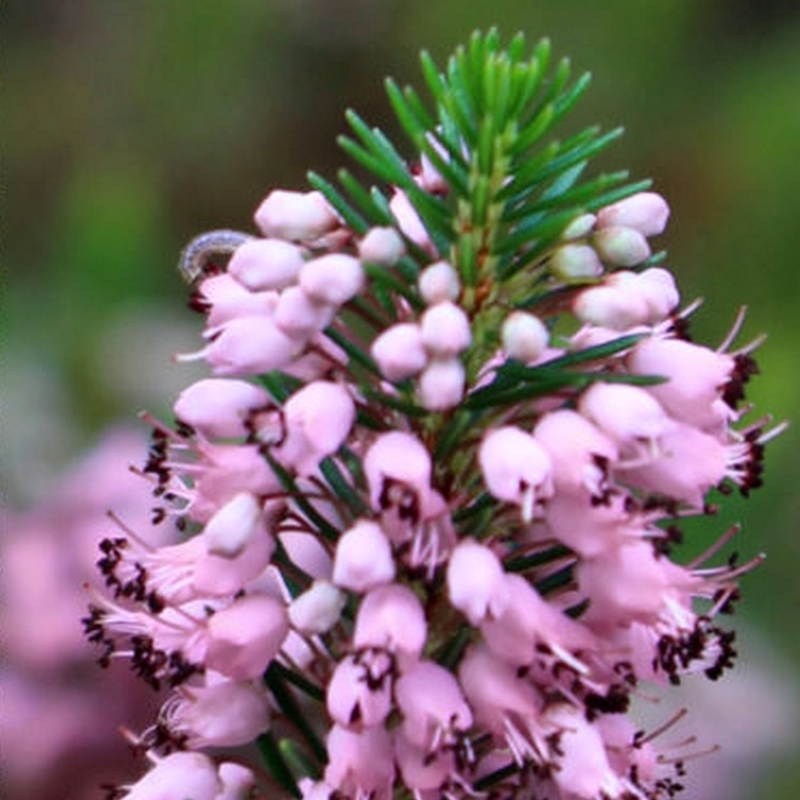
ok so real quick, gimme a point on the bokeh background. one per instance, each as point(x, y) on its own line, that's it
point(130, 126)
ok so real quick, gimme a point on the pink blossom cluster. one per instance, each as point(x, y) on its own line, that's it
point(404, 615)
point(58, 729)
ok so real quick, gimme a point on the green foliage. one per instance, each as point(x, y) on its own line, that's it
point(510, 192)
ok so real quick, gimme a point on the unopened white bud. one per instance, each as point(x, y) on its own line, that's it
point(317, 609)
point(295, 216)
point(575, 262)
point(230, 529)
point(399, 352)
point(439, 282)
point(647, 212)
point(660, 291)
point(524, 336)
point(332, 279)
point(381, 246)
point(261, 264)
point(622, 247)
point(441, 385)
point(445, 329)
point(579, 227)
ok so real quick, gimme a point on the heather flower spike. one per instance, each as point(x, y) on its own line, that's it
point(430, 491)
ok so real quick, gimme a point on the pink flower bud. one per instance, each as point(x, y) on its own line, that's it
point(475, 582)
point(409, 222)
point(441, 384)
point(383, 246)
point(621, 247)
point(516, 468)
point(238, 548)
point(657, 286)
point(227, 533)
point(646, 212)
point(391, 617)
point(332, 279)
point(317, 609)
point(226, 714)
point(445, 329)
point(295, 216)
point(575, 262)
point(299, 317)
point(219, 407)
point(246, 636)
point(363, 558)
point(617, 307)
point(524, 336)
point(318, 419)
point(399, 352)
point(247, 346)
point(439, 283)
point(360, 690)
point(262, 264)
point(180, 774)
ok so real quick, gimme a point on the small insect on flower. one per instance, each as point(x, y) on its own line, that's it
point(198, 254)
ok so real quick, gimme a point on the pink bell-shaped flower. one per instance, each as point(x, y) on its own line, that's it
point(433, 706)
point(224, 714)
point(696, 377)
point(317, 419)
point(516, 468)
point(360, 763)
point(220, 407)
point(628, 414)
point(581, 768)
point(247, 346)
point(475, 581)
point(244, 637)
point(360, 690)
point(181, 774)
point(391, 617)
point(363, 558)
point(398, 471)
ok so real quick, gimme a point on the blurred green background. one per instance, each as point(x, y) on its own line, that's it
point(131, 126)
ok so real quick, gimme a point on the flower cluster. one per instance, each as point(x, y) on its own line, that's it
point(430, 500)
